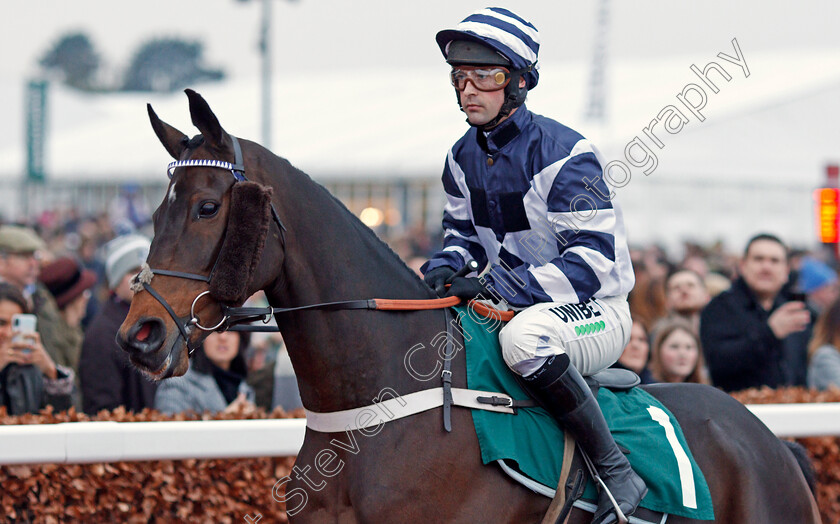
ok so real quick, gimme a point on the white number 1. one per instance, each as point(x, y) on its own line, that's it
point(683, 463)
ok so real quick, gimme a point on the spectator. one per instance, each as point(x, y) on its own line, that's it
point(819, 283)
point(29, 379)
point(107, 378)
point(636, 354)
point(685, 297)
point(215, 380)
point(824, 350)
point(647, 298)
point(753, 335)
point(676, 354)
point(20, 252)
point(69, 284)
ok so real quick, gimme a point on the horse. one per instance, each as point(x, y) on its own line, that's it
point(237, 219)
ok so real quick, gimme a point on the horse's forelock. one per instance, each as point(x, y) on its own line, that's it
point(194, 142)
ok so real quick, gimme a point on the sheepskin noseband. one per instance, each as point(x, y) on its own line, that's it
point(247, 227)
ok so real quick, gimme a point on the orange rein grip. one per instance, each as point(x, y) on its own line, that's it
point(482, 309)
point(389, 304)
point(490, 312)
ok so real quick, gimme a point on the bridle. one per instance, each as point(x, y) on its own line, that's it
point(237, 169)
point(239, 318)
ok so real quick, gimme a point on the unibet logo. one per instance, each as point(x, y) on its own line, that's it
point(587, 329)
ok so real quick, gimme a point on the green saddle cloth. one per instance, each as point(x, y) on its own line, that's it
point(532, 438)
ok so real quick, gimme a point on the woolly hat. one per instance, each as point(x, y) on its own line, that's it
point(123, 255)
point(814, 274)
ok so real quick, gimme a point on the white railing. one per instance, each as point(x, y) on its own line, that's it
point(87, 442)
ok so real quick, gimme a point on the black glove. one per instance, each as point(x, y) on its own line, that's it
point(436, 279)
point(467, 288)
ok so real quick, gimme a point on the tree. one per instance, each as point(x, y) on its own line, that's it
point(167, 65)
point(75, 58)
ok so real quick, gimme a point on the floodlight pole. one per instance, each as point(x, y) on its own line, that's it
point(265, 51)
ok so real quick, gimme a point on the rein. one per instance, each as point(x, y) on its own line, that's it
point(238, 317)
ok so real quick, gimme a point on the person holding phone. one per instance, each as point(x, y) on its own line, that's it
point(29, 379)
point(756, 333)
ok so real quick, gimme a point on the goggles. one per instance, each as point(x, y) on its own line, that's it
point(483, 78)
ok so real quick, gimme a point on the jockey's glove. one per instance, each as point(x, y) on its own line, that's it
point(436, 279)
point(468, 288)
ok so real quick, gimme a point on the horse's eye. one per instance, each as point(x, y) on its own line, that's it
point(208, 209)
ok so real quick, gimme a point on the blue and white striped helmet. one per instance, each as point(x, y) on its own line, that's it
point(515, 38)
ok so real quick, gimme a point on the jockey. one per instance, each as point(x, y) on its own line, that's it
point(526, 199)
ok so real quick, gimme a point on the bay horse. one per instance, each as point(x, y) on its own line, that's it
point(220, 237)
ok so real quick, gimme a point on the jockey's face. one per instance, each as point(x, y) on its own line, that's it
point(482, 106)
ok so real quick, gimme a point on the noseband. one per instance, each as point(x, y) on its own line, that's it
point(237, 169)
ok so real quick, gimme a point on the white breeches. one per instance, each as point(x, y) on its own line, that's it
point(593, 334)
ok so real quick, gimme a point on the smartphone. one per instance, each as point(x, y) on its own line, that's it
point(798, 296)
point(23, 325)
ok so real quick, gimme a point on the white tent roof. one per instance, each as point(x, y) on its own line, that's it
point(779, 122)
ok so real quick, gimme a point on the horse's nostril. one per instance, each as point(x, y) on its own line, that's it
point(147, 335)
point(144, 331)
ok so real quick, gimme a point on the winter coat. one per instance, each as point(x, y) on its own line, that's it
point(24, 389)
point(108, 379)
point(740, 348)
point(194, 391)
point(824, 368)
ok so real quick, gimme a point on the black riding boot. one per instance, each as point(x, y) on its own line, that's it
point(558, 386)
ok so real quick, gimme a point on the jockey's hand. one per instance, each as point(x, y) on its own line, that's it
point(467, 288)
point(436, 279)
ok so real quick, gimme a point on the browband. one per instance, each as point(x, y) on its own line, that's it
point(237, 169)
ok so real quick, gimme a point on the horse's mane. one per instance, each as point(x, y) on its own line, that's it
point(366, 232)
point(358, 225)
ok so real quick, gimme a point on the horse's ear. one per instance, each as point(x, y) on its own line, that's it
point(173, 140)
point(204, 119)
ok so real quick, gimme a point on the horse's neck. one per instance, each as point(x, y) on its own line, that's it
point(344, 359)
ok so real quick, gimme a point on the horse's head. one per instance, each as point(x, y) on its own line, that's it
point(210, 231)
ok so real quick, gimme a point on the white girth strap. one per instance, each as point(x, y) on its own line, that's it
point(399, 407)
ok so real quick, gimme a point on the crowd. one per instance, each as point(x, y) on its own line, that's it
point(765, 317)
point(74, 275)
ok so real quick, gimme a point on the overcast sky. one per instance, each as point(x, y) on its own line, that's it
point(345, 34)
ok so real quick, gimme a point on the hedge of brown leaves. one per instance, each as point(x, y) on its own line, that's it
point(142, 492)
point(824, 451)
point(224, 491)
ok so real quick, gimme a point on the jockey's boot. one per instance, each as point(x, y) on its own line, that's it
point(561, 390)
